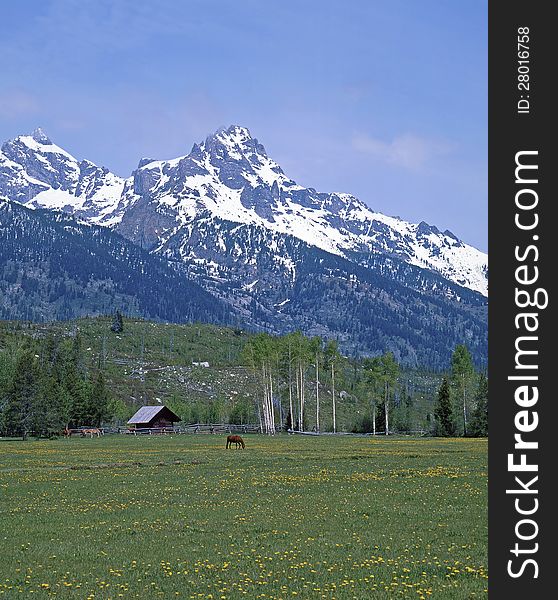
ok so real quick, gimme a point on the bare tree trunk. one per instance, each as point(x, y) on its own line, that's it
point(374, 420)
point(317, 397)
point(298, 397)
point(291, 391)
point(278, 388)
point(265, 402)
point(301, 398)
point(271, 407)
point(333, 396)
point(259, 416)
point(464, 408)
point(386, 407)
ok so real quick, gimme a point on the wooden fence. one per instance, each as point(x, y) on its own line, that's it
point(228, 428)
point(204, 428)
point(219, 428)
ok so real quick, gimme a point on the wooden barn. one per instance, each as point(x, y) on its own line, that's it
point(153, 417)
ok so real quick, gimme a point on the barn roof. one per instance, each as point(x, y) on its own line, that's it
point(147, 413)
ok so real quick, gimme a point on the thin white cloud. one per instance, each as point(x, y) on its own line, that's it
point(407, 151)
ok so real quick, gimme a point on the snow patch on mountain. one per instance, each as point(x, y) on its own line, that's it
point(40, 143)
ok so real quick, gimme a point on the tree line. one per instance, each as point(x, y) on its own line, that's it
point(47, 386)
point(301, 384)
point(287, 367)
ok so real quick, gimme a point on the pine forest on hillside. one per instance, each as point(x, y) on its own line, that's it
point(99, 371)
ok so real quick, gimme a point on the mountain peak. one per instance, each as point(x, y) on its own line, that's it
point(237, 131)
point(231, 136)
point(237, 143)
point(41, 137)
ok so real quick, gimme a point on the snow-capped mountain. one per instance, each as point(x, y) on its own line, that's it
point(53, 266)
point(40, 174)
point(228, 178)
point(274, 255)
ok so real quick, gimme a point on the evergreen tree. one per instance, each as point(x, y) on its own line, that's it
point(55, 363)
point(75, 389)
point(47, 414)
point(403, 414)
point(7, 366)
point(99, 401)
point(241, 413)
point(479, 422)
point(21, 396)
point(117, 323)
point(443, 412)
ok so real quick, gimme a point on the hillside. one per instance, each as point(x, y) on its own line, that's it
point(151, 361)
point(53, 267)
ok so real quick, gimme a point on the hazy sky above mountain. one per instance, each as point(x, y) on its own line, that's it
point(384, 99)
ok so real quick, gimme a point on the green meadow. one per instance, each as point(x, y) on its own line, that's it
point(288, 517)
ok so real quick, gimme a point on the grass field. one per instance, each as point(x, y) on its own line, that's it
point(289, 517)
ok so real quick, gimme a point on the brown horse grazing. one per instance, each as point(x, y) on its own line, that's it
point(235, 439)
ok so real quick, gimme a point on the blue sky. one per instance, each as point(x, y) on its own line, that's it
point(383, 99)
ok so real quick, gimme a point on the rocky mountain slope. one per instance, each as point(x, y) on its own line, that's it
point(279, 255)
